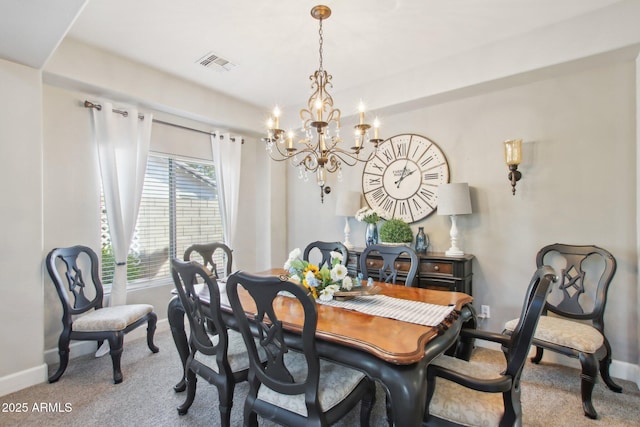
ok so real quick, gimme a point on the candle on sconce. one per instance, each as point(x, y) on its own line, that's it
point(361, 109)
point(357, 136)
point(276, 115)
point(376, 125)
point(270, 123)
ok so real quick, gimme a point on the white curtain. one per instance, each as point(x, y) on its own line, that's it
point(227, 156)
point(123, 147)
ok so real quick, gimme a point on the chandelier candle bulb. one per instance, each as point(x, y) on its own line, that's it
point(376, 125)
point(276, 115)
point(361, 109)
point(290, 140)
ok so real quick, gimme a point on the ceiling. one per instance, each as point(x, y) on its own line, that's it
point(274, 44)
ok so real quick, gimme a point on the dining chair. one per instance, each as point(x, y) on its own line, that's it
point(292, 388)
point(472, 393)
point(576, 327)
point(384, 264)
point(205, 254)
point(74, 272)
point(325, 249)
point(220, 358)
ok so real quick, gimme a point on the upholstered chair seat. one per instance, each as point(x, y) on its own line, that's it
point(111, 318)
point(336, 383)
point(458, 404)
point(582, 337)
point(236, 353)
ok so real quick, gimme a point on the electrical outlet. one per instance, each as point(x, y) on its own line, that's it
point(485, 311)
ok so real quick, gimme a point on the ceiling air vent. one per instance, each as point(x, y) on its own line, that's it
point(215, 62)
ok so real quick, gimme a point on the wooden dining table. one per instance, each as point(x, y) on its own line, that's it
point(393, 352)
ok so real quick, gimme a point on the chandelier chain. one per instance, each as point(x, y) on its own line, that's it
point(321, 43)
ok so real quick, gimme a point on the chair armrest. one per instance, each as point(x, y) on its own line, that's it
point(485, 335)
point(496, 385)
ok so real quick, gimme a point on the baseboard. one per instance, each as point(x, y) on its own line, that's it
point(23, 379)
point(622, 370)
point(39, 374)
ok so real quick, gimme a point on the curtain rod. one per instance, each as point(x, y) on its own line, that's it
point(89, 104)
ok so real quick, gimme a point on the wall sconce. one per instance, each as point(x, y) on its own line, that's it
point(513, 157)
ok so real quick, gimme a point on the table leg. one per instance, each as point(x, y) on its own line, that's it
point(175, 315)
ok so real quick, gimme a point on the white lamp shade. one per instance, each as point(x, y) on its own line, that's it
point(454, 199)
point(348, 203)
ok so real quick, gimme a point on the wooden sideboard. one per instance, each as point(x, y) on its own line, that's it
point(436, 270)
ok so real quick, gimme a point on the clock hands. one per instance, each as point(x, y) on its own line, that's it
point(404, 169)
point(403, 176)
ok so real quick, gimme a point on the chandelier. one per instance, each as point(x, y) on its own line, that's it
point(319, 151)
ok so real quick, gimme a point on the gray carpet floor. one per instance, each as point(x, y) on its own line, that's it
point(86, 395)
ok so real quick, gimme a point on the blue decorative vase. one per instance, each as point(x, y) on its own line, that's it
point(422, 241)
point(371, 236)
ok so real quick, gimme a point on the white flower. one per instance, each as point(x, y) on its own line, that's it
point(336, 255)
point(327, 293)
point(347, 283)
point(294, 254)
point(287, 265)
point(338, 272)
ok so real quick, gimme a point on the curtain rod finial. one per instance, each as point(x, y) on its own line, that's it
point(89, 104)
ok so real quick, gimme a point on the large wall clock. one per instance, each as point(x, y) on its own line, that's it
point(403, 177)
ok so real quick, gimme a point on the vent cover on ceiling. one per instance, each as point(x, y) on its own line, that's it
point(215, 62)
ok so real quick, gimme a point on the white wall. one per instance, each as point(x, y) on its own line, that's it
point(21, 313)
point(578, 186)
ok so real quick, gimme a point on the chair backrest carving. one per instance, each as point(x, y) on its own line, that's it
point(585, 273)
point(76, 278)
point(325, 249)
point(388, 272)
point(275, 373)
point(206, 255)
point(185, 275)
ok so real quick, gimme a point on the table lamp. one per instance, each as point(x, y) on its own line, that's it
point(454, 200)
point(347, 205)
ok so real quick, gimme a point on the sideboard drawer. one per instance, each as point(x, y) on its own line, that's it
point(374, 264)
point(440, 267)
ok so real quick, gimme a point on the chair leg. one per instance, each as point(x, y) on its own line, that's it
point(115, 344)
point(604, 369)
point(225, 395)
point(538, 357)
point(63, 351)
point(389, 410)
point(368, 401)
point(151, 329)
point(191, 383)
point(588, 381)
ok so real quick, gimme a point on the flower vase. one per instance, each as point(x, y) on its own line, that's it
point(371, 236)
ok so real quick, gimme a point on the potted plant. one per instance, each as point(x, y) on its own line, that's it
point(396, 231)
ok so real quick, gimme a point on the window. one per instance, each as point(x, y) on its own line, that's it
point(179, 207)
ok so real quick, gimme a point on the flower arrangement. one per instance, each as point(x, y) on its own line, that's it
point(368, 215)
point(396, 231)
point(322, 282)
